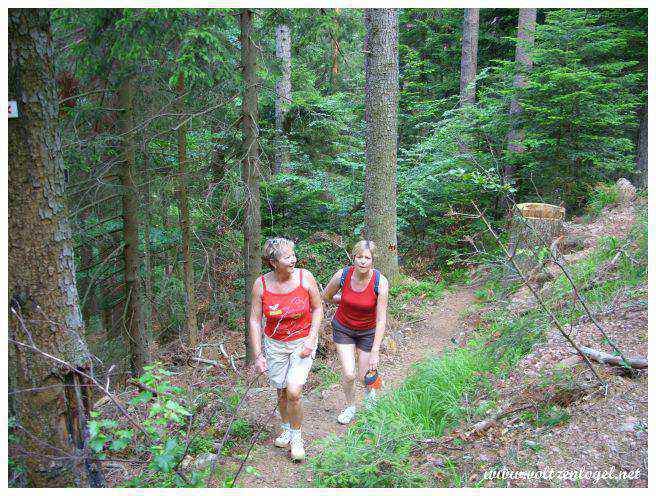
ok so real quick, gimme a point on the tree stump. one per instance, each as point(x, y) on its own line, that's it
point(534, 226)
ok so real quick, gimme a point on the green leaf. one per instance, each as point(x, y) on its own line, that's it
point(141, 398)
point(98, 442)
point(94, 428)
point(119, 444)
point(177, 408)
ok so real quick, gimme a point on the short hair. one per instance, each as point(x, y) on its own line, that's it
point(364, 245)
point(273, 247)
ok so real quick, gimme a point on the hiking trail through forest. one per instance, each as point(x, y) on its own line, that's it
point(273, 467)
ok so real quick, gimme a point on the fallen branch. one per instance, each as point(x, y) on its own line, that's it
point(207, 361)
point(605, 358)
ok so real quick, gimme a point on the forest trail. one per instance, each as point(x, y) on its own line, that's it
point(429, 337)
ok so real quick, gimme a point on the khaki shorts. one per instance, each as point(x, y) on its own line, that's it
point(284, 364)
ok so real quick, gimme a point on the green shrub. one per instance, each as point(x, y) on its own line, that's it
point(602, 195)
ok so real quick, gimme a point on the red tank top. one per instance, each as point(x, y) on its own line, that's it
point(357, 310)
point(287, 314)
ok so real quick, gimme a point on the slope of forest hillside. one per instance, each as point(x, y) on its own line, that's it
point(553, 418)
point(519, 407)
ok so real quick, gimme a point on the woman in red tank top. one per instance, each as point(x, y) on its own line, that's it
point(359, 323)
point(289, 300)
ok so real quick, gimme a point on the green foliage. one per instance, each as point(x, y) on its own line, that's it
point(602, 195)
point(164, 419)
point(327, 375)
point(410, 288)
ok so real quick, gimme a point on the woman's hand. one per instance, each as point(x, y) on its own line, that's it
point(308, 347)
point(374, 358)
point(260, 364)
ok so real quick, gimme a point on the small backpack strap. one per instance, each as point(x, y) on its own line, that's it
point(376, 281)
point(263, 283)
point(344, 273)
point(300, 278)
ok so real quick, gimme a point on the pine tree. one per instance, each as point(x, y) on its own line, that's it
point(523, 64)
point(283, 93)
point(250, 169)
point(381, 108)
point(50, 402)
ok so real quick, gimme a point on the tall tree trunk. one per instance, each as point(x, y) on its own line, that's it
point(283, 95)
point(468, 65)
point(148, 277)
point(49, 402)
point(469, 58)
point(250, 169)
point(523, 64)
point(381, 108)
point(187, 263)
point(641, 160)
point(334, 41)
point(136, 336)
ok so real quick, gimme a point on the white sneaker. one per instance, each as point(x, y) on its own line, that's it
point(283, 439)
point(347, 415)
point(296, 443)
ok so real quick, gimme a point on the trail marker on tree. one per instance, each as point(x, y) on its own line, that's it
point(13, 109)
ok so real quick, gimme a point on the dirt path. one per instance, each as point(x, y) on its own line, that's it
point(426, 338)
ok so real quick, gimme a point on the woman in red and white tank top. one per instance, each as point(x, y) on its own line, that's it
point(359, 323)
point(288, 297)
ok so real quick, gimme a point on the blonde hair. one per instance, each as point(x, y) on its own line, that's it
point(273, 248)
point(364, 245)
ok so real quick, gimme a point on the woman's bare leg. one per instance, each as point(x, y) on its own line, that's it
point(363, 366)
point(346, 353)
point(294, 408)
point(282, 405)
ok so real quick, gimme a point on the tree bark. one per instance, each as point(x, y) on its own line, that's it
point(468, 66)
point(283, 95)
point(136, 335)
point(187, 263)
point(469, 58)
point(607, 358)
point(523, 64)
point(250, 169)
point(334, 41)
point(148, 277)
point(49, 402)
point(641, 161)
point(381, 109)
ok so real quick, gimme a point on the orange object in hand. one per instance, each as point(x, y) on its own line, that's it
point(372, 379)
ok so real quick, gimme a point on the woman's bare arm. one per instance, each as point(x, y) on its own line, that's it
point(330, 292)
point(381, 320)
point(316, 308)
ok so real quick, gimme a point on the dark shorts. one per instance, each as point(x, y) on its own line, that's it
point(363, 340)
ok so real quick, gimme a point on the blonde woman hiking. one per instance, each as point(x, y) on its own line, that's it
point(359, 323)
point(289, 299)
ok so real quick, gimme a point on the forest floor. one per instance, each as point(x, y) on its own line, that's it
point(321, 405)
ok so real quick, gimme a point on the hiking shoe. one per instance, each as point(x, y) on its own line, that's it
point(296, 444)
point(283, 439)
point(347, 415)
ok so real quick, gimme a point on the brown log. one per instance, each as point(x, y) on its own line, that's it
point(605, 358)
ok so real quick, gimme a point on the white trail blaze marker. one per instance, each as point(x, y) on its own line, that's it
point(13, 109)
